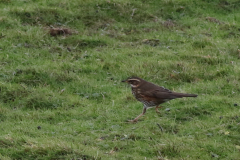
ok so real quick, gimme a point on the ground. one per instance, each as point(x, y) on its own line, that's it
point(62, 63)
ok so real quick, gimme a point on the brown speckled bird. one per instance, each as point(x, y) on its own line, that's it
point(151, 95)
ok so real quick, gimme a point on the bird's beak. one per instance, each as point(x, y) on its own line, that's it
point(124, 81)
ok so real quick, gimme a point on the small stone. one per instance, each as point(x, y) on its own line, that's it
point(209, 134)
point(215, 155)
point(167, 109)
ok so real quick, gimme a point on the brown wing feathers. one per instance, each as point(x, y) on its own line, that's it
point(161, 92)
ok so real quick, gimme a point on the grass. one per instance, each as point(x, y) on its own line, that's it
point(62, 96)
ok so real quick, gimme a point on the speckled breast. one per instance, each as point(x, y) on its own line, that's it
point(137, 94)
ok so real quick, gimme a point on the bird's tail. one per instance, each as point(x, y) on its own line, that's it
point(180, 95)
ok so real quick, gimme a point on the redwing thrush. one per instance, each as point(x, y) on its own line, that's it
point(151, 95)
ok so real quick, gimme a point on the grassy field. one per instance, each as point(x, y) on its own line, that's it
point(62, 97)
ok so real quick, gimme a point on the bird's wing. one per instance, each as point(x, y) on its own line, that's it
point(162, 89)
point(161, 93)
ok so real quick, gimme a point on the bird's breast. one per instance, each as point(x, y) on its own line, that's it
point(137, 93)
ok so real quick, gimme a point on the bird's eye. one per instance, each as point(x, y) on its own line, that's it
point(133, 82)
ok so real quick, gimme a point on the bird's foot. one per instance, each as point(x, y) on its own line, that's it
point(133, 121)
point(157, 109)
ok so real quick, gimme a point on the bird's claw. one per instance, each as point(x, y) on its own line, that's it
point(133, 121)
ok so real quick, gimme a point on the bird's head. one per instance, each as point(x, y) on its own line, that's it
point(133, 81)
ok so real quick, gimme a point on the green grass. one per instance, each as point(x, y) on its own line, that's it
point(62, 97)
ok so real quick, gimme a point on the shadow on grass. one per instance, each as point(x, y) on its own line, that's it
point(32, 77)
point(9, 95)
point(169, 150)
point(75, 42)
point(48, 153)
point(40, 16)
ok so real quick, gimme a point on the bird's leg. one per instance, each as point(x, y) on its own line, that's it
point(157, 109)
point(136, 119)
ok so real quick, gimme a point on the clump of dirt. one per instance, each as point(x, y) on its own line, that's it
point(151, 42)
point(60, 31)
point(168, 24)
point(214, 20)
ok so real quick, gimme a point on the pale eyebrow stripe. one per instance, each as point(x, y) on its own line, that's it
point(135, 80)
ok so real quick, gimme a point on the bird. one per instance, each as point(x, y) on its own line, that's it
point(151, 95)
